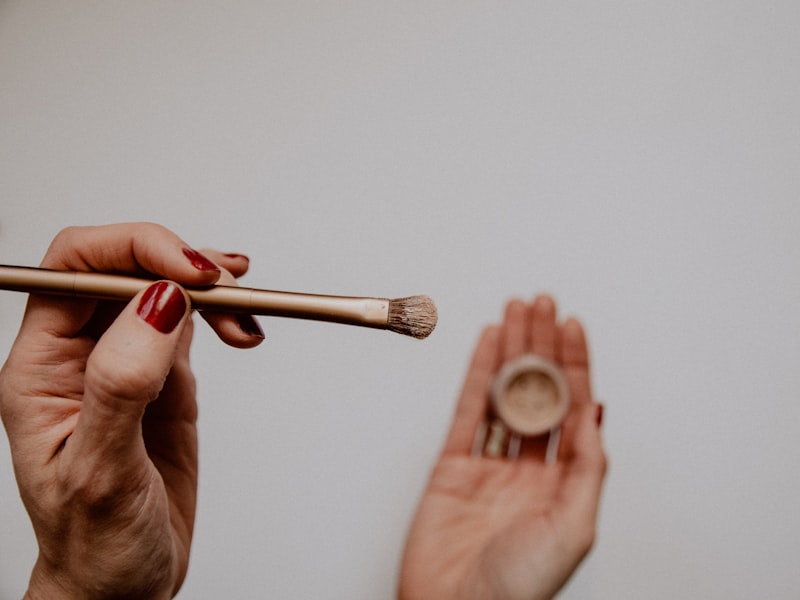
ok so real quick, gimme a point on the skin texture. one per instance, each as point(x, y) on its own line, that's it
point(491, 528)
point(98, 401)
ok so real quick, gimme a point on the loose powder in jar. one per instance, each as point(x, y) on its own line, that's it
point(530, 395)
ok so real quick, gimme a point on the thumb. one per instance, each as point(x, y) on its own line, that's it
point(125, 371)
point(585, 464)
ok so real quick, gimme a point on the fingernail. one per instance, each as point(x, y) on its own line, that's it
point(199, 262)
point(250, 326)
point(234, 255)
point(599, 415)
point(162, 306)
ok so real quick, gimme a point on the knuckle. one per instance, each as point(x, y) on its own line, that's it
point(67, 233)
point(64, 238)
point(116, 379)
point(95, 486)
point(150, 228)
point(150, 232)
point(86, 485)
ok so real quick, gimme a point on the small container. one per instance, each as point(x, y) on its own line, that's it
point(530, 395)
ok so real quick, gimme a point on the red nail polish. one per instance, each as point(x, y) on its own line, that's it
point(234, 255)
point(599, 415)
point(162, 306)
point(250, 326)
point(199, 262)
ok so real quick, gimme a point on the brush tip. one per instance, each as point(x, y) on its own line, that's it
point(414, 316)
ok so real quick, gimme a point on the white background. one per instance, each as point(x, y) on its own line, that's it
point(639, 160)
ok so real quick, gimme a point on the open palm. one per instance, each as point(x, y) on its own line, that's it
point(494, 528)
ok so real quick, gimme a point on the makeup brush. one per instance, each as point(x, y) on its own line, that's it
point(413, 316)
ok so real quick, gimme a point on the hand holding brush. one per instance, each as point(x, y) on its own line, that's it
point(98, 398)
point(413, 316)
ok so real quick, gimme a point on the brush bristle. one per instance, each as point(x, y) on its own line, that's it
point(415, 316)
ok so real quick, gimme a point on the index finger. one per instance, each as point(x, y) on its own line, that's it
point(127, 248)
point(130, 248)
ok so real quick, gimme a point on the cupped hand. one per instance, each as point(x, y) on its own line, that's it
point(98, 400)
point(496, 528)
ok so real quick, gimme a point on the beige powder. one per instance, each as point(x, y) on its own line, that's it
point(530, 395)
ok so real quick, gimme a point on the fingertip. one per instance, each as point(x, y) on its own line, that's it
point(205, 267)
point(543, 328)
point(488, 353)
point(236, 330)
point(573, 328)
point(573, 345)
point(163, 305)
point(544, 304)
point(490, 333)
point(251, 328)
point(515, 334)
point(514, 308)
point(237, 264)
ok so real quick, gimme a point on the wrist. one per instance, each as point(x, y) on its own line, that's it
point(47, 584)
point(43, 585)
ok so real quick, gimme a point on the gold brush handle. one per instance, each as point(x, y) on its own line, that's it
point(70, 283)
point(369, 312)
